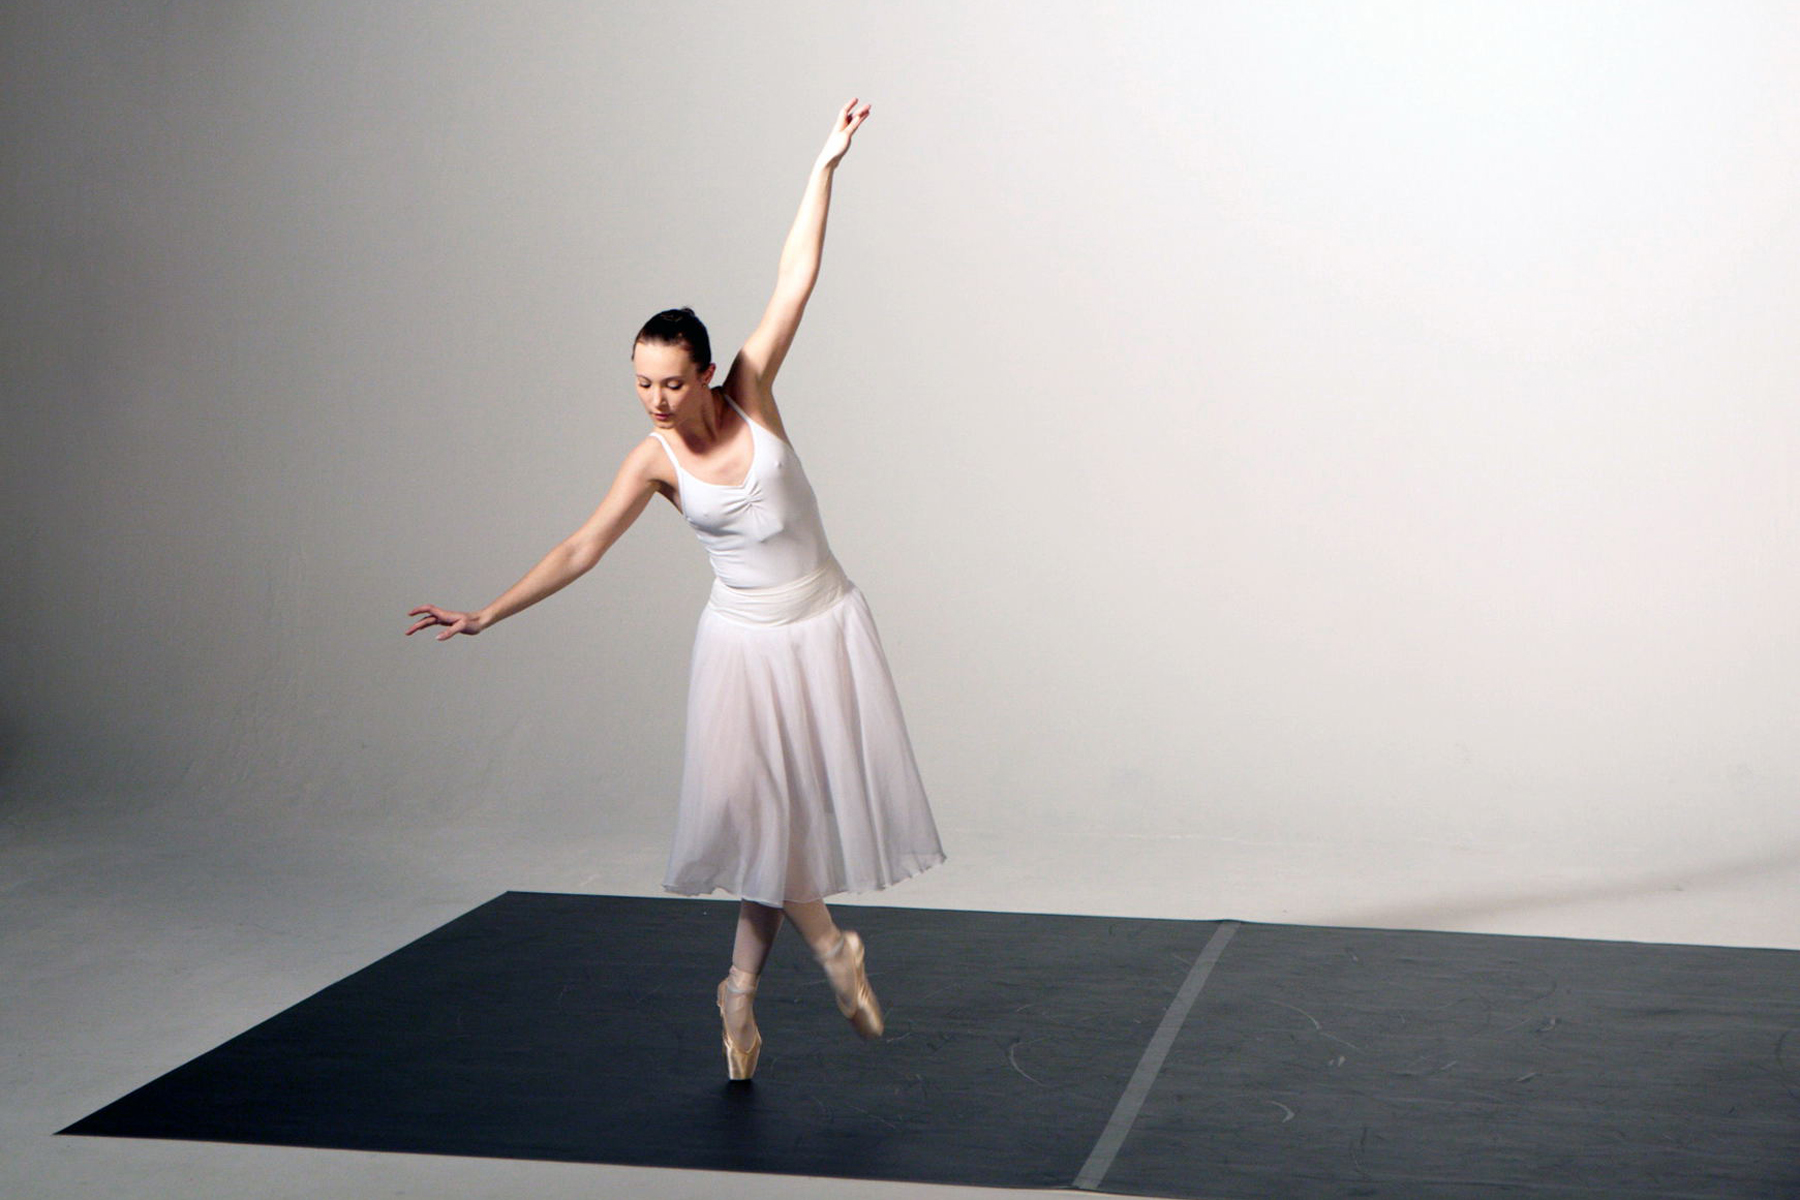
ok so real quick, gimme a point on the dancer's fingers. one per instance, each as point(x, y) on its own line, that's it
point(432, 617)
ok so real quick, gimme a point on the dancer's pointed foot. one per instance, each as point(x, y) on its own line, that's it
point(736, 993)
point(843, 965)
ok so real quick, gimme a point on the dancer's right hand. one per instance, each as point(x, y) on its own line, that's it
point(459, 622)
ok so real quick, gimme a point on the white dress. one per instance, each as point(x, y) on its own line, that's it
point(798, 779)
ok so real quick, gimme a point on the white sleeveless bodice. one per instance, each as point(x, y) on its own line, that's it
point(761, 532)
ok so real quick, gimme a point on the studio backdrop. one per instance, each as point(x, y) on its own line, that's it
point(1266, 421)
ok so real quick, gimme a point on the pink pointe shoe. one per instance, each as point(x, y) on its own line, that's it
point(739, 1064)
point(843, 965)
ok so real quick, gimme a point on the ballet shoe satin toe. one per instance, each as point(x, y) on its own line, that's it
point(739, 1064)
point(855, 998)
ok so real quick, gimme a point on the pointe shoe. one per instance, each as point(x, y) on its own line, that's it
point(855, 999)
point(739, 1064)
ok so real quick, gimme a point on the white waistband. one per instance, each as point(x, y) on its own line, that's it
point(784, 603)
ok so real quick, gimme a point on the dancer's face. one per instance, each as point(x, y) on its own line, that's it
point(668, 383)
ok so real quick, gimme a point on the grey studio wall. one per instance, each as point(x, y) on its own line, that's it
point(1280, 422)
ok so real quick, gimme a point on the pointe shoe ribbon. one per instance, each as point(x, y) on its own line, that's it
point(843, 965)
point(739, 1064)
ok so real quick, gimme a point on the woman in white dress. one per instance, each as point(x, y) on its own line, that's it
point(798, 779)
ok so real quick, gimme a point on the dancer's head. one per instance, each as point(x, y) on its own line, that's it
point(673, 359)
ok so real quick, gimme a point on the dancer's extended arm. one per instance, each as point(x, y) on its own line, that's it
point(576, 555)
point(761, 356)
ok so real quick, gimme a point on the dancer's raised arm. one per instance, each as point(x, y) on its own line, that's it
point(760, 358)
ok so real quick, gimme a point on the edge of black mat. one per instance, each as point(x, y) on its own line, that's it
point(1121, 916)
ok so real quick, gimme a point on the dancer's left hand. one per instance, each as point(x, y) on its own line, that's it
point(849, 118)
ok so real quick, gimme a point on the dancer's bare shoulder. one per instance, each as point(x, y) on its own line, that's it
point(747, 391)
point(625, 500)
point(649, 463)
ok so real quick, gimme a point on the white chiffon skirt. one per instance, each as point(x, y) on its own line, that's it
point(798, 778)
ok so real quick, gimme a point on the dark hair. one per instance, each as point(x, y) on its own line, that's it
point(678, 327)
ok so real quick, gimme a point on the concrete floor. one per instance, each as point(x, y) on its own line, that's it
point(137, 932)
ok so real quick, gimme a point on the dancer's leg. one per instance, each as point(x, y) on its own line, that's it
point(756, 929)
point(814, 922)
point(842, 959)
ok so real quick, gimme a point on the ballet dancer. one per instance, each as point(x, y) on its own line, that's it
point(798, 776)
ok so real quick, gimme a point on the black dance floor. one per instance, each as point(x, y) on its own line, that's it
point(1222, 1059)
